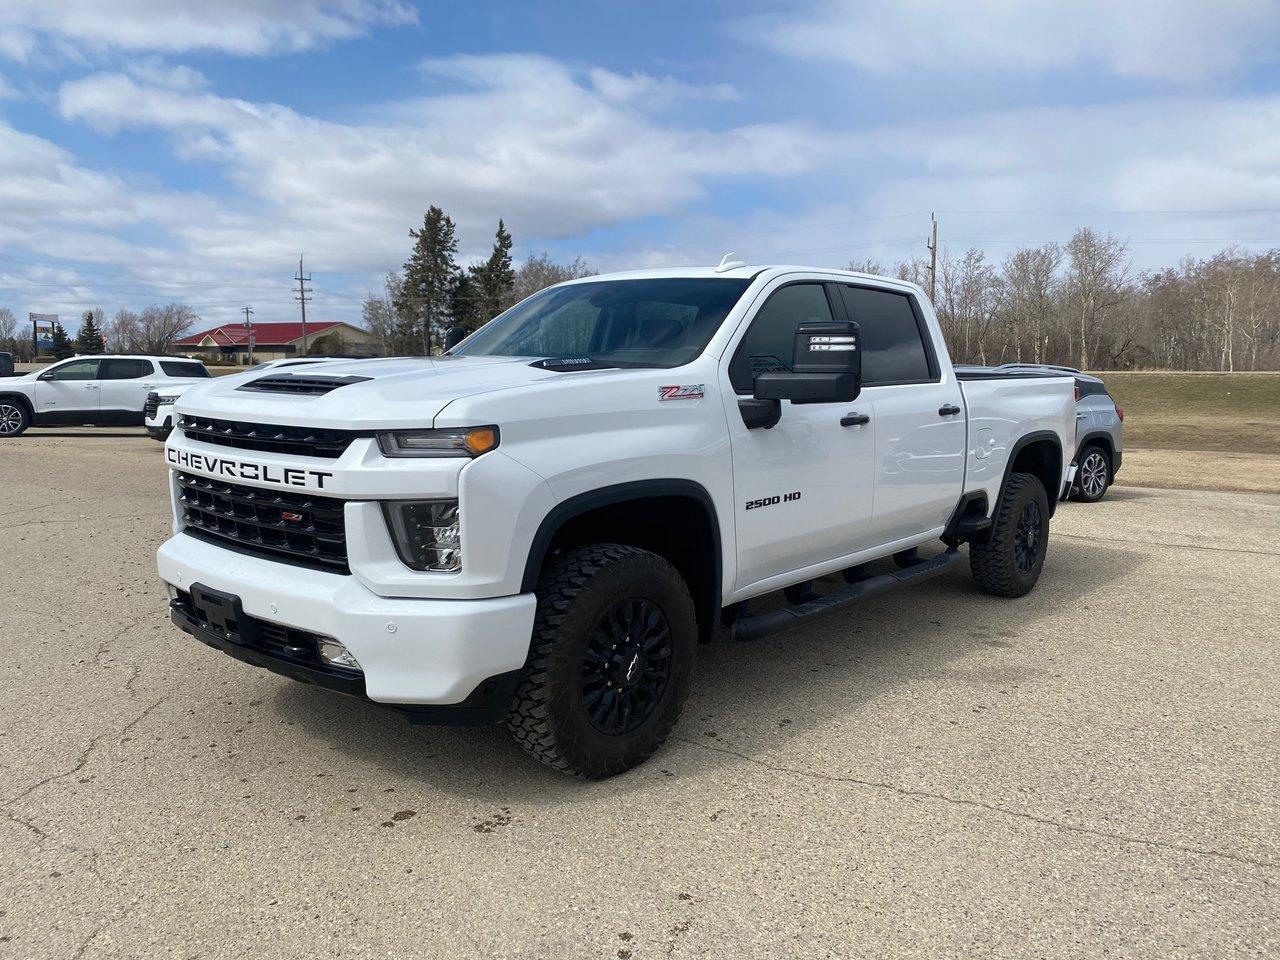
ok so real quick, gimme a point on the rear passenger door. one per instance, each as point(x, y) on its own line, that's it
point(919, 415)
point(125, 383)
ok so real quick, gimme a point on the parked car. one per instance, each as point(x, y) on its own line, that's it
point(540, 526)
point(1099, 432)
point(6, 364)
point(93, 391)
point(158, 410)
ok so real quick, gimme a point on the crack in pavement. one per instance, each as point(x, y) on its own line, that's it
point(85, 755)
point(989, 807)
point(1176, 546)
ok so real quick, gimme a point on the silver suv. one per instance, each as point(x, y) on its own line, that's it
point(1099, 432)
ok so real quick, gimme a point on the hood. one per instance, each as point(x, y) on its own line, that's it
point(384, 393)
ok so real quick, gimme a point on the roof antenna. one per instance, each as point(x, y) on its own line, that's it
point(727, 263)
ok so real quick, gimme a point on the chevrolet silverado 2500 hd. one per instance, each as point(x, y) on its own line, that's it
point(541, 525)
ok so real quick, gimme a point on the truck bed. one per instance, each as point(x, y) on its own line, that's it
point(1006, 406)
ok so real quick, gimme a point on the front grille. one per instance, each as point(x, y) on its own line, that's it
point(294, 528)
point(300, 384)
point(151, 406)
point(302, 441)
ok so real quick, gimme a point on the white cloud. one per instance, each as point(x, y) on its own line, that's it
point(244, 27)
point(1178, 41)
point(553, 150)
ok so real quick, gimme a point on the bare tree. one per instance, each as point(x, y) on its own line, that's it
point(8, 329)
point(1097, 277)
point(1029, 297)
point(154, 330)
point(538, 273)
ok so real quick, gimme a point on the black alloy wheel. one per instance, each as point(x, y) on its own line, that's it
point(626, 665)
point(1029, 537)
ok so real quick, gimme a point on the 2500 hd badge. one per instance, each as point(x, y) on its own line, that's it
point(286, 476)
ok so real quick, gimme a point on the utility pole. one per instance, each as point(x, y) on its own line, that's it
point(248, 328)
point(302, 298)
point(933, 260)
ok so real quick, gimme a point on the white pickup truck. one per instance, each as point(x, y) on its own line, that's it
point(541, 526)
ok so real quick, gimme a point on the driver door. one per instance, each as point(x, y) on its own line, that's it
point(803, 488)
point(68, 393)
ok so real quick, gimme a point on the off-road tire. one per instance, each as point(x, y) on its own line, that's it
point(993, 563)
point(577, 588)
point(1088, 460)
point(14, 418)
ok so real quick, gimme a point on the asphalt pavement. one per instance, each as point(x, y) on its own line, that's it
point(1092, 770)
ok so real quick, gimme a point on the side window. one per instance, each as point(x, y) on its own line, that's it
point(76, 370)
point(771, 339)
point(123, 369)
point(183, 368)
point(893, 350)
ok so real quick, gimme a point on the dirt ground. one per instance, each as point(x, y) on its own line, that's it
point(1092, 770)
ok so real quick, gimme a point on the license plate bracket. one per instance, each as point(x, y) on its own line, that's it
point(221, 612)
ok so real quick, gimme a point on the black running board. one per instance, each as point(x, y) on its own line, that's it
point(763, 625)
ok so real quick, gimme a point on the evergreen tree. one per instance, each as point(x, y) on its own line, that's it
point(494, 281)
point(62, 345)
point(430, 275)
point(89, 339)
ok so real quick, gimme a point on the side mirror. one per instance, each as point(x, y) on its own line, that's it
point(826, 366)
point(47, 375)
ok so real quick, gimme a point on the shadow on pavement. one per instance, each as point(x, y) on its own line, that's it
point(755, 697)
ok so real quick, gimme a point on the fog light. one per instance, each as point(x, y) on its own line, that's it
point(336, 655)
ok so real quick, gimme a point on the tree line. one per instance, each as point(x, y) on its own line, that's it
point(1079, 303)
point(151, 331)
point(1082, 304)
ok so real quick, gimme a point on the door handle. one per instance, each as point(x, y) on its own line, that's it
point(948, 410)
point(854, 419)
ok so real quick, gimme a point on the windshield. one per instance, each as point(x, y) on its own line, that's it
point(634, 323)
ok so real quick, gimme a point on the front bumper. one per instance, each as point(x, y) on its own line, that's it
point(414, 652)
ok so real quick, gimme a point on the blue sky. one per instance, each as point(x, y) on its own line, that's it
point(155, 150)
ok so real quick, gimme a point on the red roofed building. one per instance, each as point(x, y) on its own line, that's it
point(275, 341)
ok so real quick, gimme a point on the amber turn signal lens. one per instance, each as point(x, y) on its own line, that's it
point(481, 440)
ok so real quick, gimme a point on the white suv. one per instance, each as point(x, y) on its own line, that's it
point(106, 391)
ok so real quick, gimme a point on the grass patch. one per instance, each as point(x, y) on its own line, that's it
point(1226, 412)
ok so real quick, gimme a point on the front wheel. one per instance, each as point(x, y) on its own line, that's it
point(610, 660)
point(14, 418)
point(1008, 564)
point(1093, 475)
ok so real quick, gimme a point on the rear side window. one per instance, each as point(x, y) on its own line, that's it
point(771, 340)
point(183, 368)
point(893, 349)
point(125, 369)
point(1089, 388)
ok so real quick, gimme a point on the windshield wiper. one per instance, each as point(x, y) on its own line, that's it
point(574, 364)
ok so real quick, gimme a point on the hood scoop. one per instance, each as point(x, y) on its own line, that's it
point(299, 384)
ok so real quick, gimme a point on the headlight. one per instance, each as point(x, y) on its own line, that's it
point(162, 400)
point(449, 442)
point(427, 534)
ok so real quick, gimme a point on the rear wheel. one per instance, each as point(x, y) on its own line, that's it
point(14, 418)
point(1008, 564)
point(610, 662)
point(1093, 475)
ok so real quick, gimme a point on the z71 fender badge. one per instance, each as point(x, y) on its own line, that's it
point(688, 391)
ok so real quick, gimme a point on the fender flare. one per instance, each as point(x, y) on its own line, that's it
point(583, 503)
point(1036, 436)
point(1108, 445)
